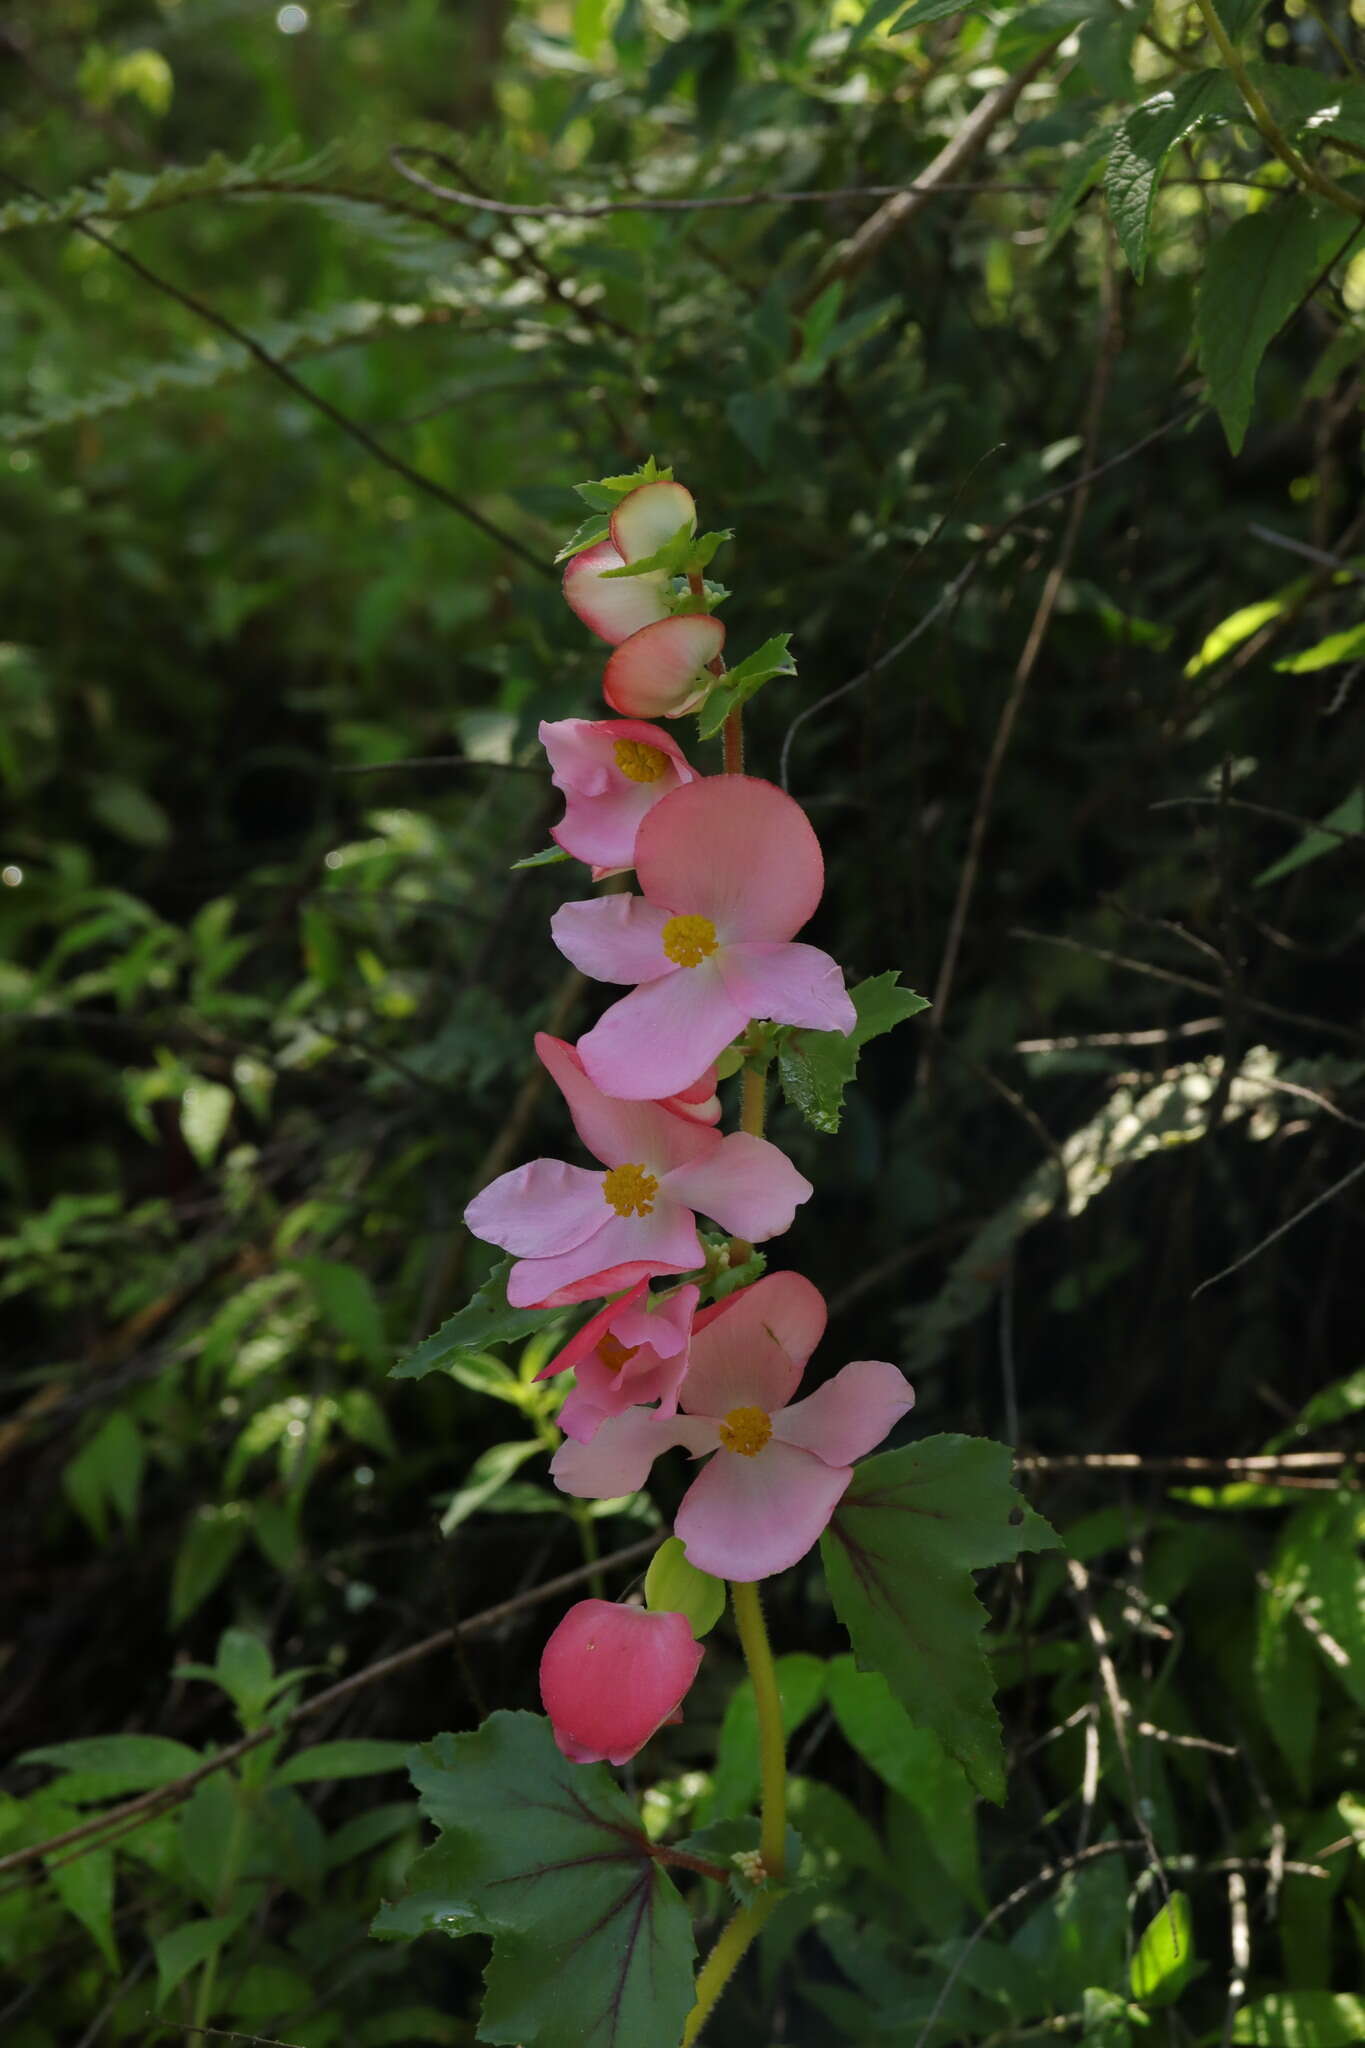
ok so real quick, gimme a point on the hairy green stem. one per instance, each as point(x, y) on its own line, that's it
point(716, 1971)
point(772, 1745)
point(1267, 127)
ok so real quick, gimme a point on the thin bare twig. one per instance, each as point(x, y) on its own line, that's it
point(1110, 338)
point(281, 371)
point(1119, 1712)
point(148, 1804)
point(1328, 1194)
point(1234, 803)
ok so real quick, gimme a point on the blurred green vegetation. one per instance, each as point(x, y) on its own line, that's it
point(267, 982)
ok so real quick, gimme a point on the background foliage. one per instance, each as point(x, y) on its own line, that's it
point(267, 737)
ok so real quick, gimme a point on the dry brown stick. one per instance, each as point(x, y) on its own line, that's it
point(1131, 1461)
point(851, 257)
point(1119, 1711)
point(150, 1803)
point(1110, 338)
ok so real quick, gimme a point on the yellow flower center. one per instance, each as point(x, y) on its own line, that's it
point(639, 761)
point(746, 1430)
point(614, 1354)
point(630, 1190)
point(688, 940)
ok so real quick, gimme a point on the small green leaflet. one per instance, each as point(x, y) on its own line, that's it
point(1255, 279)
point(592, 1946)
point(1301, 2019)
point(679, 556)
point(1144, 141)
point(1165, 1955)
point(816, 1066)
point(548, 859)
point(1337, 647)
point(604, 493)
point(585, 536)
point(899, 1555)
point(674, 1585)
point(739, 684)
point(487, 1319)
point(1349, 816)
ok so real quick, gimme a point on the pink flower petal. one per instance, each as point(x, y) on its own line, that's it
point(648, 517)
point(613, 610)
point(749, 1350)
point(748, 1186)
point(619, 1457)
point(746, 1518)
point(733, 849)
point(655, 1041)
point(850, 1414)
point(610, 1676)
point(613, 938)
point(664, 1323)
point(700, 1100)
point(604, 805)
point(540, 1209)
point(655, 1337)
point(789, 984)
point(660, 672)
point(586, 1339)
point(619, 1133)
point(625, 1248)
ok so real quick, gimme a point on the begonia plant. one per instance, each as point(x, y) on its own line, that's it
point(662, 1338)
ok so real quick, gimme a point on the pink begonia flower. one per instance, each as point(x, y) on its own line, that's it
point(616, 607)
point(780, 1467)
point(664, 669)
point(577, 1234)
point(610, 1676)
point(611, 770)
point(730, 869)
point(634, 1349)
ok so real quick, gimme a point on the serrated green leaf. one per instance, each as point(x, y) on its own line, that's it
point(551, 857)
point(485, 1320)
point(1301, 2019)
point(108, 1766)
point(1237, 627)
point(740, 682)
point(1348, 816)
point(184, 1949)
point(210, 1543)
point(914, 1763)
point(487, 1475)
point(1337, 647)
point(604, 493)
point(583, 537)
point(900, 1553)
point(592, 1946)
point(1256, 276)
point(1142, 143)
point(1164, 1958)
point(346, 1297)
point(358, 1757)
point(815, 1067)
point(85, 1886)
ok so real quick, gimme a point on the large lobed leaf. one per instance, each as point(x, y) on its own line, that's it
point(592, 1946)
point(900, 1553)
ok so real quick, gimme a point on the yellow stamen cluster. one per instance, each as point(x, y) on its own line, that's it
point(630, 1190)
point(746, 1430)
point(640, 762)
point(688, 940)
point(614, 1354)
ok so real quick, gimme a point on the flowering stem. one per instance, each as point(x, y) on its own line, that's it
point(732, 733)
point(716, 1970)
point(772, 1746)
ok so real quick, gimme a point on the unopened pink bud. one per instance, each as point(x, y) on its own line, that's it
point(610, 1676)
